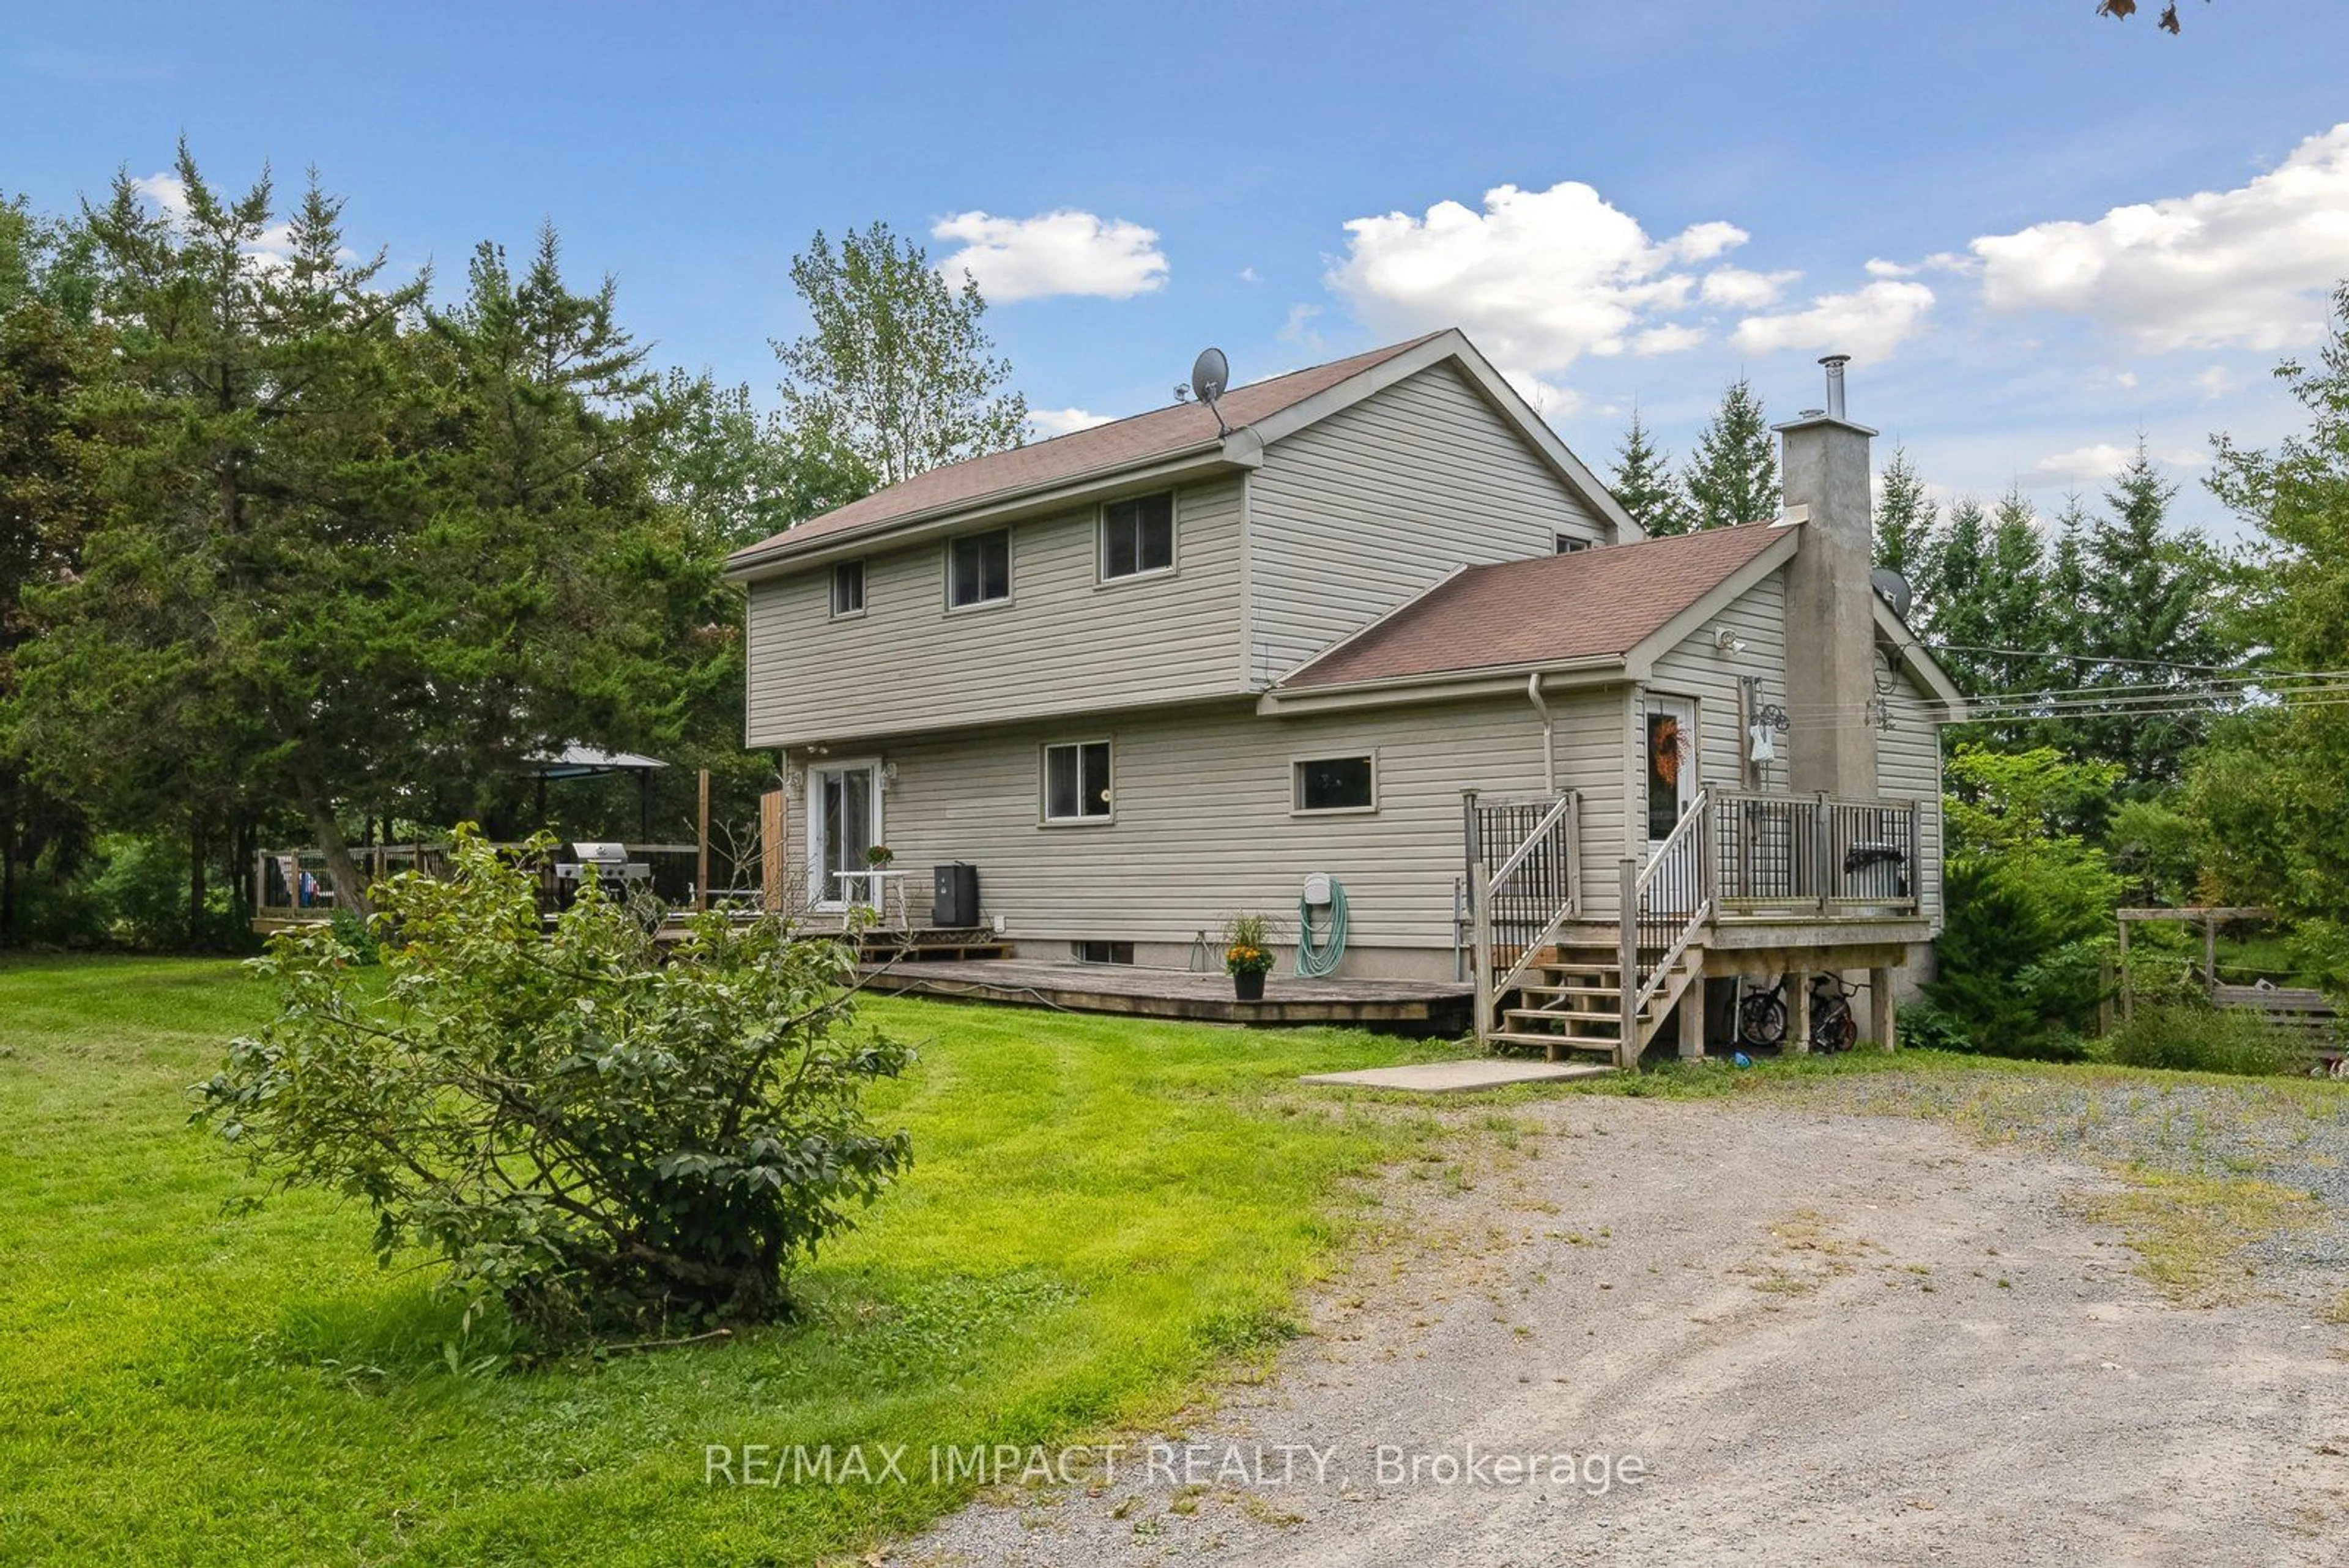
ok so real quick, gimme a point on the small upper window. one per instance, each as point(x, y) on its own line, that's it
point(1076, 781)
point(1336, 784)
point(1567, 544)
point(978, 568)
point(848, 588)
point(1138, 535)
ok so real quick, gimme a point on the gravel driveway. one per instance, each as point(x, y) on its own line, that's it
point(1824, 1337)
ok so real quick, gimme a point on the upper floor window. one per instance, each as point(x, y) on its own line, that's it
point(1567, 544)
point(1137, 536)
point(1336, 784)
point(848, 588)
point(1076, 781)
point(978, 569)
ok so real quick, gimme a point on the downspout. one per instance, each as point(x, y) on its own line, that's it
point(1549, 735)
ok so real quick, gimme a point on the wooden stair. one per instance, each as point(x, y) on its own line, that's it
point(1570, 999)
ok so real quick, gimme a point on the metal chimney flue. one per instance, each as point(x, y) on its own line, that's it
point(1835, 364)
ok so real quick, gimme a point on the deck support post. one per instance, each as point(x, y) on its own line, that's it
point(1627, 976)
point(1692, 1020)
point(1798, 1011)
point(1881, 1010)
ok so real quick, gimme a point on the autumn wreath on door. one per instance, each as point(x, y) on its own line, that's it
point(1664, 743)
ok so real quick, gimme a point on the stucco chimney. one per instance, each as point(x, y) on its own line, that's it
point(1830, 620)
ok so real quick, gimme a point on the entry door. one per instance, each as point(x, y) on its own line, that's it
point(1669, 732)
point(844, 822)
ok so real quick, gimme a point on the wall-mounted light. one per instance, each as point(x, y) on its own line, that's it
point(888, 774)
point(1727, 642)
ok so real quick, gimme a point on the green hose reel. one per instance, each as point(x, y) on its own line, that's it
point(1318, 950)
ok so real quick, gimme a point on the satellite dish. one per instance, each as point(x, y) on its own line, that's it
point(1894, 587)
point(1211, 374)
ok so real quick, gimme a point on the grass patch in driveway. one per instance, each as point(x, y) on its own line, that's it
point(1101, 1213)
point(2190, 1232)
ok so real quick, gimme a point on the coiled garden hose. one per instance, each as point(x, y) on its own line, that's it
point(1318, 955)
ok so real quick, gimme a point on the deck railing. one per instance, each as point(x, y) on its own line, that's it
point(294, 885)
point(1524, 876)
point(1665, 906)
point(1814, 855)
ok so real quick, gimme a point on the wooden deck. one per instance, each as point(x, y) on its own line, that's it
point(1416, 1007)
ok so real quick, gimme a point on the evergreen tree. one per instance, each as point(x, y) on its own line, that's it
point(2014, 611)
point(1963, 623)
point(1905, 516)
point(1645, 484)
point(897, 373)
point(2151, 594)
point(351, 554)
point(1733, 475)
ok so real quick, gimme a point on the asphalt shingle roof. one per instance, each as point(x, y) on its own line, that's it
point(1122, 443)
point(1551, 609)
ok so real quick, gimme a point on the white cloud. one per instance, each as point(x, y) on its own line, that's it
point(1669, 339)
point(1879, 267)
point(2245, 268)
point(1734, 288)
point(1065, 421)
point(1538, 278)
point(2096, 465)
point(1299, 328)
point(1247, 274)
point(2216, 381)
point(1065, 252)
point(1870, 322)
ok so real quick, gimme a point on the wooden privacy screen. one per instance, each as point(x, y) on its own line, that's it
point(770, 849)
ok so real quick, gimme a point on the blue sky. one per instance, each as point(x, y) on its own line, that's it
point(1620, 199)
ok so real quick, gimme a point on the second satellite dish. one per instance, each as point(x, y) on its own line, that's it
point(1210, 374)
point(1894, 587)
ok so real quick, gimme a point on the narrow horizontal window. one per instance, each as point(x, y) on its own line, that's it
point(978, 568)
point(1336, 784)
point(848, 588)
point(1076, 781)
point(1137, 536)
point(1567, 544)
point(1103, 953)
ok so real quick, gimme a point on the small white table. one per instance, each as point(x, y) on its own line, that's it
point(878, 885)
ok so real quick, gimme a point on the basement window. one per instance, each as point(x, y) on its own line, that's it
point(1335, 784)
point(847, 589)
point(978, 569)
point(1101, 952)
point(1077, 782)
point(1137, 536)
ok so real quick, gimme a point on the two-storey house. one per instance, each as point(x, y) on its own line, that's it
point(1377, 625)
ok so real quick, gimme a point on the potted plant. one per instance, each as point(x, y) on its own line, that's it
point(1247, 954)
point(878, 856)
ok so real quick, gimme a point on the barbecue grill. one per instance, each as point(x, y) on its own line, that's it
point(612, 866)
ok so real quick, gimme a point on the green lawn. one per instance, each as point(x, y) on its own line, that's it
point(1100, 1212)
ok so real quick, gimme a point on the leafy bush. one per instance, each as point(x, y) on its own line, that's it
point(2187, 1038)
point(1925, 1027)
point(604, 1138)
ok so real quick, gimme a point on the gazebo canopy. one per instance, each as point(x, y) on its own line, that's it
point(577, 762)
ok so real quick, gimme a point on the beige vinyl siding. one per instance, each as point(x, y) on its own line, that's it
point(1698, 668)
point(1203, 826)
point(1593, 731)
point(1351, 516)
point(1908, 767)
point(1064, 643)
